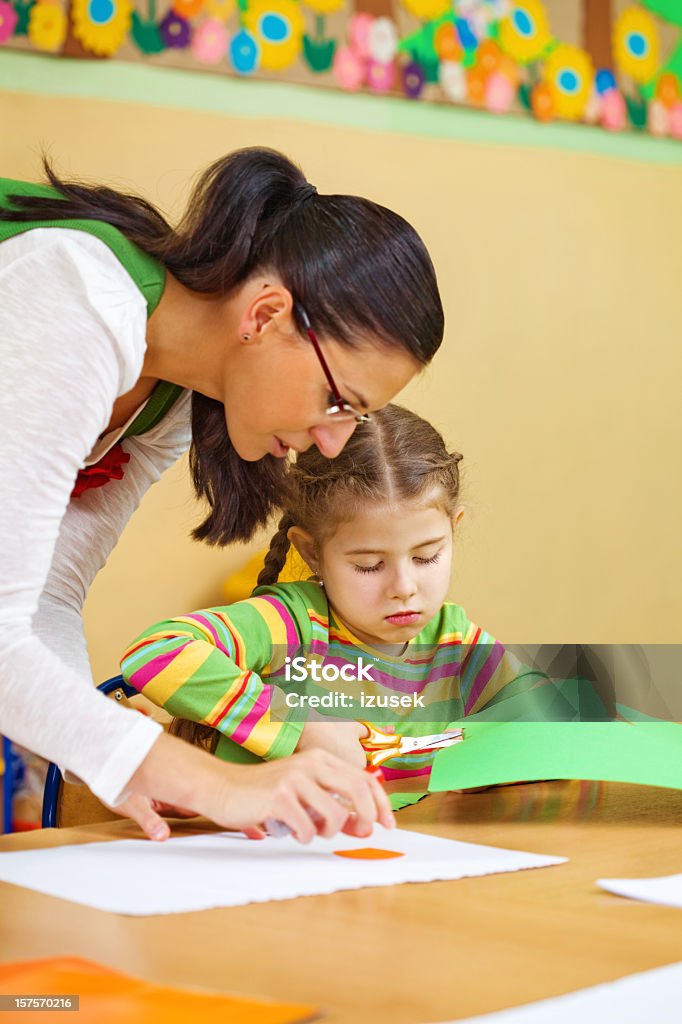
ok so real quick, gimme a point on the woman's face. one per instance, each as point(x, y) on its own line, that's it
point(276, 393)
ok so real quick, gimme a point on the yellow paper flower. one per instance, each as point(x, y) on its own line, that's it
point(524, 33)
point(325, 6)
point(636, 45)
point(220, 9)
point(569, 74)
point(278, 28)
point(427, 10)
point(47, 25)
point(101, 25)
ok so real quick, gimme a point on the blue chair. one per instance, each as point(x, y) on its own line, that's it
point(7, 785)
point(53, 782)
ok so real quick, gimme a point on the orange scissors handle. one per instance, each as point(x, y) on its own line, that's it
point(379, 746)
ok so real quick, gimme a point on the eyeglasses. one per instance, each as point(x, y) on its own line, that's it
point(340, 410)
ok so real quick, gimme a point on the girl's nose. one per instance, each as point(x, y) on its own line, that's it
point(331, 437)
point(403, 585)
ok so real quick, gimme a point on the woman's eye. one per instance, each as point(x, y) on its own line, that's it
point(428, 561)
point(367, 568)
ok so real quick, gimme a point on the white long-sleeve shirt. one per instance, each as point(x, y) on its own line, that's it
point(72, 340)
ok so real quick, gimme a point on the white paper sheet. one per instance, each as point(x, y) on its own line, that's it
point(666, 890)
point(226, 869)
point(652, 997)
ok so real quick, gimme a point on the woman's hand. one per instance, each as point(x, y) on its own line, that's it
point(243, 796)
point(339, 738)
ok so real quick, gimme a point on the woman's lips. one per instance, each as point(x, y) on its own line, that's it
point(403, 618)
point(279, 448)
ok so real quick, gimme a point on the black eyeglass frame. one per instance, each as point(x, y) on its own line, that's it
point(339, 405)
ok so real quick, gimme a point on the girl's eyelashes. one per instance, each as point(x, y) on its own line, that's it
point(420, 561)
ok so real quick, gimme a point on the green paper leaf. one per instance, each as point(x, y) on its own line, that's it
point(645, 753)
point(668, 9)
point(637, 112)
point(23, 11)
point(524, 95)
point(146, 35)
point(318, 53)
point(400, 800)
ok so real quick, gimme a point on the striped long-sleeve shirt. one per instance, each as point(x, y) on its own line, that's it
point(227, 667)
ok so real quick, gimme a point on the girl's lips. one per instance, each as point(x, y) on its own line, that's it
point(403, 618)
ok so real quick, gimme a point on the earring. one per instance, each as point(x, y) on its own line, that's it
point(246, 337)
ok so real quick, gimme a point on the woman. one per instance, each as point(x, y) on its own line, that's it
point(118, 332)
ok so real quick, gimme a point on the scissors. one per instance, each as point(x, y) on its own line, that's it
point(380, 746)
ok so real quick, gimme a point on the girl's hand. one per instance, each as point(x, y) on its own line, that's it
point(243, 796)
point(339, 738)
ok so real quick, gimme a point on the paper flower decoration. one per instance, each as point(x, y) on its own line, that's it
point(413, 80)
point(452, 78)
point(613, 111)
point(427, 10)
point(244, 53)
point(8, 20)
point(210, 41)
point(657, 118)
point(541, 102)
point(668, 89)
point(635, 44)
point(109, 467)
point(481, 14)
point(188, 8)
point(349, 69)
point(524, 34)
point(101, 26)
point(499, 93)
point(569, 74)
point(446, 43)
point(47, 25)
point(278, 27)
point(675, 121)
point(382, 41)
point(175, 31)
point(358, 34)
point(380, 77)
point(325, 6)
point(220, 9)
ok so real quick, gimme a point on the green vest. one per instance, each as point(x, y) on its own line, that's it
point(147, 272)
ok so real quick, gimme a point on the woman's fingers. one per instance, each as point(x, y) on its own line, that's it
point(140, 809)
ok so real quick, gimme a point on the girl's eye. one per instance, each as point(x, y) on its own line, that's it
point(428, 561)
point(368, 568)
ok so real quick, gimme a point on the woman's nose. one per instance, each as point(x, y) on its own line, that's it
point(331, 438)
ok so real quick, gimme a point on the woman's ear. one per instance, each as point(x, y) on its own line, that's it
point(305, 545)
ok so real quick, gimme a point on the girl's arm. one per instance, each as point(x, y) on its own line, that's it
point(207, 667)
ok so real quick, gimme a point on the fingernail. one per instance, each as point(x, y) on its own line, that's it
point(160, 832)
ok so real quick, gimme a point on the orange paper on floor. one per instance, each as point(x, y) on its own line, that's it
point(109, 997)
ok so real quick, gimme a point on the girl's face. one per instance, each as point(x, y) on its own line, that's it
point(386, 573)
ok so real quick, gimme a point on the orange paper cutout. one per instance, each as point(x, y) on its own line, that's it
point(369, 853)
point(109, 997)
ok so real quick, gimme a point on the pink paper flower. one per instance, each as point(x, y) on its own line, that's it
point(380, 77)
point(348, 68)
point(210, 41)
point(499, 93)
point(675, 120)
point(358, 33)
point(657, 118)
point(8, 20)
point(613, 111)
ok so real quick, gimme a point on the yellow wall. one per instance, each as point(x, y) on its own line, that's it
point(559, 377)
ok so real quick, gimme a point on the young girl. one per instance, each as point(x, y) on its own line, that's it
point(376, 525)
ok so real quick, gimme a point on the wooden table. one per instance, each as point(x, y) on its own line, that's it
point(409, 953)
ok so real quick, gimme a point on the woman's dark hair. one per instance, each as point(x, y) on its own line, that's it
point(357, 268)
point(397, 457)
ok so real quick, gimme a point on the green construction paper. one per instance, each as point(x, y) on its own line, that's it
point(400, 800)
point(648, 753)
